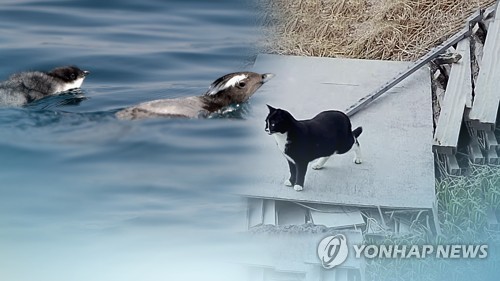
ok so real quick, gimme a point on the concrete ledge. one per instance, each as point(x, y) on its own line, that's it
point(398, 168)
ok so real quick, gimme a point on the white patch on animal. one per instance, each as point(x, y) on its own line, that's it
point(298, 187)
point(281, 140)
point(357, 151)
point(287, 183)
point(73, 85)
point(320, 163)
point(230, 83)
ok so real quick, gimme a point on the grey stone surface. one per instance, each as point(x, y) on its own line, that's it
point(398, 167)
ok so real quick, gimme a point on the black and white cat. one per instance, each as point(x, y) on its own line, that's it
point(303, 141)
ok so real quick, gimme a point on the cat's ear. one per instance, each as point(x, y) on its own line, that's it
point(271, 109)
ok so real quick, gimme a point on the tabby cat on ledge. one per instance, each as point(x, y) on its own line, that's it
point(302, 141)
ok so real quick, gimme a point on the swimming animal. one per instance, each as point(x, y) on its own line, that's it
point(301, 142)
point(230, 89)
point(26, 87)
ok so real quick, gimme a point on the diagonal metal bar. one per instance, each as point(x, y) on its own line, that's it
point(432, 54)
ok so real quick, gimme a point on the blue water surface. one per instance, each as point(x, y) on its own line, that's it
point(84, 196)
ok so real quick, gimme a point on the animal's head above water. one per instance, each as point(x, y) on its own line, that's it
point(68, 73)
point(278, 120)
point(71, 77)
point(236, 87)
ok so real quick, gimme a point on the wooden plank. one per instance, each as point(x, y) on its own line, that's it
point(487, 93)
point(452, 110)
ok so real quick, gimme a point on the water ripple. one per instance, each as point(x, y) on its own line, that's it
point(74, 180)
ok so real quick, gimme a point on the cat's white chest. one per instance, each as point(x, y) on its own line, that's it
point(281, 141)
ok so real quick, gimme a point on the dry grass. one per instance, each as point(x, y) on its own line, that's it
point(368, 29)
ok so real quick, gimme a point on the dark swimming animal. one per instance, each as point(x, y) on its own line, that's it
point(230, 89)
point(302, 141)
point(25, 87)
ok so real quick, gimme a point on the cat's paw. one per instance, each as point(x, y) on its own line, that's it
point(357, 160)
point(317, 166)
point(288, 183)
point(298, 187)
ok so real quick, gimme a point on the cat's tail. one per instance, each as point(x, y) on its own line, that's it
point(357, 132)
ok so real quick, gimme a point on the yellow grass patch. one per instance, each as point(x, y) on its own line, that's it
point(368, 29)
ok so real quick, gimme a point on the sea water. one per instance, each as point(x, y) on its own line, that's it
point(84, 196)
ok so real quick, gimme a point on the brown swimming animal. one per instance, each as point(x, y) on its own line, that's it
point(230, 89)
